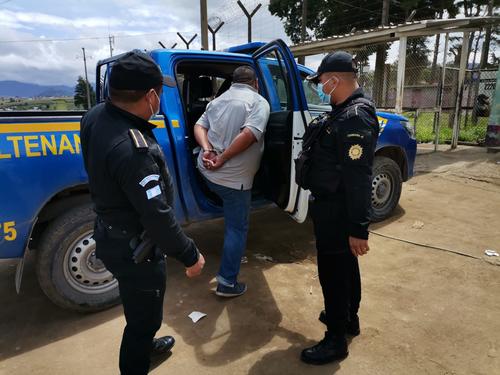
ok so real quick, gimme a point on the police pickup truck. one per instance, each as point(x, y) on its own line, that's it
point(44, 197)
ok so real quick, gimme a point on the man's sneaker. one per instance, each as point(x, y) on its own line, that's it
point(226, 291)
point(331, 348)
point(352, 326)
point(162, 345)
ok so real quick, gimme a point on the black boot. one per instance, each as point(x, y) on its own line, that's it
point(162, 345)
point(352, 325)
point(331, 348)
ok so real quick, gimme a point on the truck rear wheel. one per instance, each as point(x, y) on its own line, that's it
point(68, 271)
point(386, 187)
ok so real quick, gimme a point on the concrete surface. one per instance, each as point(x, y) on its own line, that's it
point(424, 311)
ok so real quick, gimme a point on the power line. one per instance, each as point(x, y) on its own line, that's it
point(85, 38)
point(356, 7)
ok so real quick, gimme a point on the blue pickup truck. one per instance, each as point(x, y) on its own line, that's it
point(45, 204)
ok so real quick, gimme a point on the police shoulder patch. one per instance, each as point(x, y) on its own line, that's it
point(138, 139)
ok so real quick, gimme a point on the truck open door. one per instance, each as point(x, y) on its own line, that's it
point(287, 122)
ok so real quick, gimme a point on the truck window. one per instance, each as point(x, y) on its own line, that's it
point(310, 92)
point(316, 107)
point(277, 84)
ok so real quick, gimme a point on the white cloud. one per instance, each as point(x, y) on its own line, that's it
point(134, 23)
point(23, 19)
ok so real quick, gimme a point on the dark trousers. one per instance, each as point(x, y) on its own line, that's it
point(338, 268)
point(142, 287)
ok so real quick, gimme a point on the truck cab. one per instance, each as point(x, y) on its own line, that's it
point(49, 209)
point(202, 76)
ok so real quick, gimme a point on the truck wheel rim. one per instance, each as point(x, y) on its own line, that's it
point(83, 271)
point(381, 190)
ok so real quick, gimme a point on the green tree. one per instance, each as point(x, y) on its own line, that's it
point(80, 97)
point(417, 60)
point(335, 17)
point(326, 18)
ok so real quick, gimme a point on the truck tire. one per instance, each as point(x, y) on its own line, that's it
point(386, 187)
point(68, 271)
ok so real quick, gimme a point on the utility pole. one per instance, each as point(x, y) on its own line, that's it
point(111, 44)
point(86, 78)
point(185, 41)
point(487, 40)
point(204, 25)
point(303, 31)
point(213, 32)
point(385, 12)
point(380, 58)
point(249, 17)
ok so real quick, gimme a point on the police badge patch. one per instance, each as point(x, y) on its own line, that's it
point(355, 152)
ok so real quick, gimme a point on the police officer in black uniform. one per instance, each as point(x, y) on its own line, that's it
point(132, 194)
point(339, 146)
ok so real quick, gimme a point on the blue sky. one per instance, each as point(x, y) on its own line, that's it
point(60, 62)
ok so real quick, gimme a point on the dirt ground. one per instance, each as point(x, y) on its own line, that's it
point(424, 311)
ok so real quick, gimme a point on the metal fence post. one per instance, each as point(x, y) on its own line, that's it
point(417, 113)
point(401, 74)
point(461, 81)
point(440, 104)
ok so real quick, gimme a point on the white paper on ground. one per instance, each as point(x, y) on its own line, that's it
point(196, 315)
point(491, 253)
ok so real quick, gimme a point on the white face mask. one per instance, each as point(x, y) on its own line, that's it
point(326, 98)
point(153, 113)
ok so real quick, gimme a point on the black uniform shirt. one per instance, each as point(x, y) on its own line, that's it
point(129, 182)
point(342, 159)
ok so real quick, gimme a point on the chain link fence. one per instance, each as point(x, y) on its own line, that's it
point(425, 83)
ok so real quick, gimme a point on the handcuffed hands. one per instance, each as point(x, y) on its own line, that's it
point(213, 163)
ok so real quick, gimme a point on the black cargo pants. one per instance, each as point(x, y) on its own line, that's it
point(338, 268)
point(142, 288)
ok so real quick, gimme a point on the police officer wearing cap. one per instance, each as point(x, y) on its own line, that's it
point(338, 156)
point(132, 194)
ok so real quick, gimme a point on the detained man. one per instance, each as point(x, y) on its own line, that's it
point(231, 134)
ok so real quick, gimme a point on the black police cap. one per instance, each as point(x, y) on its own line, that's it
point(136, 70)
point(339, 61)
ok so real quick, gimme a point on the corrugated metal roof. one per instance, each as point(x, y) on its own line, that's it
point(384, 34)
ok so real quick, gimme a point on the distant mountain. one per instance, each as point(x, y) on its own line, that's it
point(30, 90)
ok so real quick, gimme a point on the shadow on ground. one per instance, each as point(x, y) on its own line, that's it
point(29, 320)
point(225, 335)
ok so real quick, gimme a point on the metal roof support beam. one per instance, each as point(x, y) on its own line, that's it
point(461, 81)
point(401, 74)
point(385, 34)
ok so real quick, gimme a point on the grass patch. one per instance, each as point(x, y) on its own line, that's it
point(40, 104)
point(468, 133)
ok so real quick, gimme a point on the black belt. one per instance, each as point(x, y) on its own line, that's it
point(142, 249)
point(116, 232)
